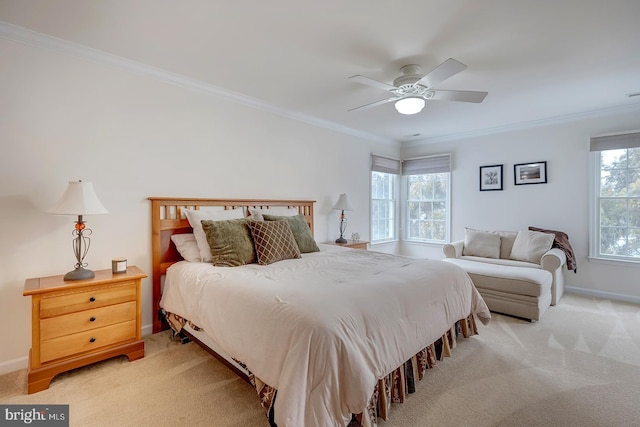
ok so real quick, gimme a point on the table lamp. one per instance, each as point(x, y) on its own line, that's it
point(79, 199)
point(342, 205)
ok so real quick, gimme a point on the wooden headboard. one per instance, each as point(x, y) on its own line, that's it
point(167, 219)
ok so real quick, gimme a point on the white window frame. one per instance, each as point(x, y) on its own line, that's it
point(424, 166)
point(598, 145)
point(390, 166)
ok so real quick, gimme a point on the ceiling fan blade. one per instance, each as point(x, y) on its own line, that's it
point(458, 95)
point(371, 82)
point(442, 72)
point(374, 104)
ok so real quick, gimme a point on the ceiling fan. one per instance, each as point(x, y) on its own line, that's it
point(411, 89)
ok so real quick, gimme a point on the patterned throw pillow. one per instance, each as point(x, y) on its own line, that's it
point(300, 229)
point(273, 241)
point(230, 242)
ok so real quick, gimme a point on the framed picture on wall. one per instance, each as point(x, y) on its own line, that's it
point(491, 178)
point(530, 173)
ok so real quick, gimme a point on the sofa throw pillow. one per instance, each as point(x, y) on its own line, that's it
point(507, 238)
point(273, 241)
point(187, 246)
point(205, 213)
point(481, 243)
point(300, 230)
point(230, 242)
point(531, 245)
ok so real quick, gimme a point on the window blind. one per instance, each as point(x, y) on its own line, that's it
point(385, 165)
point(425, 165)
point(615, 142)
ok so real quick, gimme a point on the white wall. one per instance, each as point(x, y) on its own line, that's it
point(64, 118)
point(561, 204)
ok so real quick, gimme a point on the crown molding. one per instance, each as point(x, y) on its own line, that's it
point(591, 114)
point(41, 40)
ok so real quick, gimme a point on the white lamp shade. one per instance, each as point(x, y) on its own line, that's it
point(410, 105)
point(79, 199)
point(343, 203)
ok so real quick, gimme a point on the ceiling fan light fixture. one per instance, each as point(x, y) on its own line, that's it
point(410, 105)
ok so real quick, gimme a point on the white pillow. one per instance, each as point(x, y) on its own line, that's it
point(187, 246)
point(531, 245)
point(506, 240)
point(275, 210)
point(481, 243)
point(196, 217)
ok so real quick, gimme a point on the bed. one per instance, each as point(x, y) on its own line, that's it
point(329, 338)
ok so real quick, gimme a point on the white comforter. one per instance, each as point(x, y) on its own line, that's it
point(323, 329)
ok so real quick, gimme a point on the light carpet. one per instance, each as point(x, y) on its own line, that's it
point(578, 366)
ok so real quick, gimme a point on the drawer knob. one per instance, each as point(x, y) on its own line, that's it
point(92, 340)
point(92, 299)
point(92, 319)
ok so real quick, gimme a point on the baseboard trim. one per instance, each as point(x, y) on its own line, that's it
point(14, 365)
point(23, 362)
point(147, 330)
point(603, 294)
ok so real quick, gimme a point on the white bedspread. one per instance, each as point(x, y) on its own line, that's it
point(323, 329)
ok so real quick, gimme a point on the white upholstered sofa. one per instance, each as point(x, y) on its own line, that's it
point(517, 273)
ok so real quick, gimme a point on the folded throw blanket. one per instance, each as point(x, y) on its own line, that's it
point(561, 241)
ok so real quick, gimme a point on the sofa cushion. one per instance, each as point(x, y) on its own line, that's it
point(481, 244)
point(531, 245)
point(533, 282)
point(500, 261)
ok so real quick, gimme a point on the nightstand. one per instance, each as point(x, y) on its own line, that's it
point(353, 244)
point(77, 323)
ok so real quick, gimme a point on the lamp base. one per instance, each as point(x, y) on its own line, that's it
point(341, 240)
point(79, 274)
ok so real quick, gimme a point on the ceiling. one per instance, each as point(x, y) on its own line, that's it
point(538, 60)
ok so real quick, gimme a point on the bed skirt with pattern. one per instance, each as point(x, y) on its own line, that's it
point(392, 388)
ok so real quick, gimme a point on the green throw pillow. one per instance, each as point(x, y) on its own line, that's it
point(230, 242)
point(300, 229)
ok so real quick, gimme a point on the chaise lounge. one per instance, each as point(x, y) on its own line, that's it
point(517, 273)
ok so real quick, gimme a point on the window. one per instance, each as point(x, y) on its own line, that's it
point(426, 185)
point(384, 199)
point(616, 197)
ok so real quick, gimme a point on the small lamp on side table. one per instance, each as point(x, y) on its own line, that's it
point(342, 205)
point(79, 199)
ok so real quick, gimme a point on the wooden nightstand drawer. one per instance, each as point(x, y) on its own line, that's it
point(78, 322)
point(73, 344)
point(56, 305)
point(68, 324)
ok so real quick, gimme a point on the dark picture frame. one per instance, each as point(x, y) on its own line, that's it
point(530, 173)
point(491, 178)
